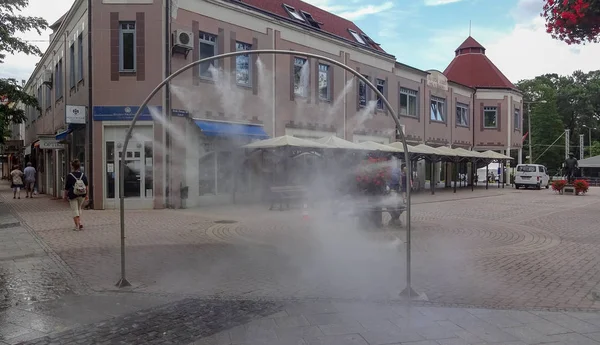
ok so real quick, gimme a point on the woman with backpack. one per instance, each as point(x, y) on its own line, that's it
point(76, 192)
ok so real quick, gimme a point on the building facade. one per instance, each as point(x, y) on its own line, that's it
point(106, 56)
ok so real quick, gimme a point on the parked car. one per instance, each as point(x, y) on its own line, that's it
point(532, 175)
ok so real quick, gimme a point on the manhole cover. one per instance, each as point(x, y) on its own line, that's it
point(226, 221)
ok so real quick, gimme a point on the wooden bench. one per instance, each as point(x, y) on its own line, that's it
point(285, 194)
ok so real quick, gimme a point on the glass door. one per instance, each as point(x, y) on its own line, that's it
point(138, 182)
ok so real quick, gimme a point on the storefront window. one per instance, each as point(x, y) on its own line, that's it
point(225, 164)
point(206, 173)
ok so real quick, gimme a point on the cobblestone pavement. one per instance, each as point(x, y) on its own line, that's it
point(245, 322)
point(496, 248)
point(39, 294)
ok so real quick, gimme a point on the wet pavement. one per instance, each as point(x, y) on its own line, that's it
point(260, 322)
point(45, 300)
point(27, 273)
point(175, 323)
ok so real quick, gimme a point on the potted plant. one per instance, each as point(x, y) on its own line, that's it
point(371, 180)
point(581, 186)
point(559, 185)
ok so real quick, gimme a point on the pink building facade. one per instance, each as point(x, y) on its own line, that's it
point(105, 59)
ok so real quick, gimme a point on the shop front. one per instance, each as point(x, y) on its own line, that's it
point(53, 172)
point(217, 167)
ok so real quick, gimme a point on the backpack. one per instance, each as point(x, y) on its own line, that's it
point(79, 187)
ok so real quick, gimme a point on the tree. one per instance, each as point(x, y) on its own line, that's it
point(573, 21)
point(11, 23)
point(546, 122)
point(595, 149)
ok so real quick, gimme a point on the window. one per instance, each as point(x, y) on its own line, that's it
point(242, 65)
point(127, 47)
point(381, 88)
point(72, 66)
point(208, 48)
point(300, 77)
point(48, 96)
point(462, 114)
point(490, 117)
point(58, 84)
point(357, 37)
point(80, 56)
point(517, 118)
point(311, 20)
point(324, 88)
point(408, 102)
point(292, 12)
point(40, 97)
point(363, 93)
point(438, 109)
point(526, 168)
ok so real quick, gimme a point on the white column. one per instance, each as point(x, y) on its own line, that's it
point(520, 158)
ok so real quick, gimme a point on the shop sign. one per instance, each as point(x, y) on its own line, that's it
point(75, 114)
point(50, 144)
point(13, 146)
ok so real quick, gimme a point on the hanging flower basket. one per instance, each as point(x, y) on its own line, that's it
point(581, 186)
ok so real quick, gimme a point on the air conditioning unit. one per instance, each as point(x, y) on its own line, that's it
point(183, 39)
point(47, 78)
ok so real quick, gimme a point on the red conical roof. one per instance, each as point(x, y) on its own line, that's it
point(470, 42)
point(472, 67)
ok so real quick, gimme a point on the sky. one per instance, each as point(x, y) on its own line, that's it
point(420, 33)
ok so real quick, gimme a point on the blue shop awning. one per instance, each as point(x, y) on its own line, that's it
point(214, 128)
point(60, 136)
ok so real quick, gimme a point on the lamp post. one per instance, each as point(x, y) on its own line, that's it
point(529, 103)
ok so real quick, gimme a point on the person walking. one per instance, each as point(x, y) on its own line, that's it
point(29, 173)
point(17, 181)
point(76, 186)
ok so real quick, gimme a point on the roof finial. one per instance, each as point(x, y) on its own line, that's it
point(469, 28)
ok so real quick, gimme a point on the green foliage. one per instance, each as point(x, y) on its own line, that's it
point(596, 148)
point(571, 102)
point(11, 23)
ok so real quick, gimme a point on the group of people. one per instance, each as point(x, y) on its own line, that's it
point(76, 185)
point(23, 180)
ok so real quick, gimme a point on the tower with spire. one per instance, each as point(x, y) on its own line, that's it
point(497, 105)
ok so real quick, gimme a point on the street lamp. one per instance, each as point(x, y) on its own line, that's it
point(529, 103)
point(590, 136)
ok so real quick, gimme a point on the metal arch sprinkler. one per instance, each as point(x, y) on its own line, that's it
point(123, 282)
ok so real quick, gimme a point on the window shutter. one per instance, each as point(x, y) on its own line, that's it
point(253, 71)
point(232, 63)
point(196, 53)
point(499, 117)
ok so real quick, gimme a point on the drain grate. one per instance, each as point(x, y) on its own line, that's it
point(225, 221)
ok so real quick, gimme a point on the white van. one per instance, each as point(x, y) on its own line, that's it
point(532, 175)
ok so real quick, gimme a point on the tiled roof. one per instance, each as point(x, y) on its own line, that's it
point(474, 69)
point(470, 42)
point(328, 22)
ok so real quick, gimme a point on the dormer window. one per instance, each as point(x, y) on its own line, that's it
point(368, 39)
point(357, 37)
point(311, 20)
point(292, 12)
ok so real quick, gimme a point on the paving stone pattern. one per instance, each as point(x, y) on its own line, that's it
point(500, 248)
point(176, 323)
